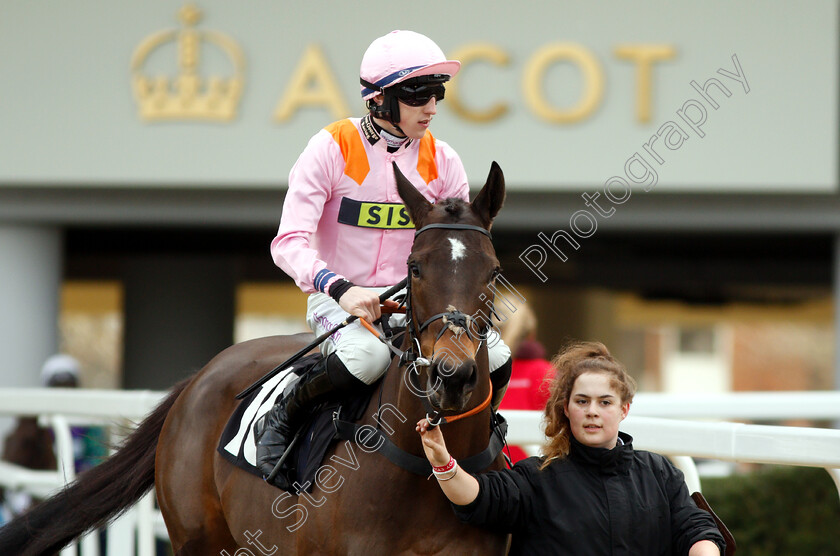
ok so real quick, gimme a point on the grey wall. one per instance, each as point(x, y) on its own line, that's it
point(68, 114)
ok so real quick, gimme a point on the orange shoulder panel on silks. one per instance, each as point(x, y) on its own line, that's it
point(426, 165)
point(356, 165)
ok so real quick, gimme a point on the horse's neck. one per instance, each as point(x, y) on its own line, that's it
point(396, 410)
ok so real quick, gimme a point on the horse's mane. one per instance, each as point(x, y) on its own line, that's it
point(454, 207)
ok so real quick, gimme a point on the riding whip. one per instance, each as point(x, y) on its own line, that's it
point(288, 362)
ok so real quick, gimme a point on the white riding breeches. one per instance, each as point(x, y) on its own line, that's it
point(361, 352)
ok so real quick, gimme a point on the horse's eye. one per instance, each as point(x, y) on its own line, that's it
point(415, 270)
point(495, 274)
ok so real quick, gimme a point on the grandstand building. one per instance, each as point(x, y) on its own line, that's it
point(671, 172)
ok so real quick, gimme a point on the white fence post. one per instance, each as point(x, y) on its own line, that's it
point(687, 466)
point(145, 526)
point(121, 534)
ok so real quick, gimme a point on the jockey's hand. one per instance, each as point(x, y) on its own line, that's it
point(361, 302)
point(433, 443)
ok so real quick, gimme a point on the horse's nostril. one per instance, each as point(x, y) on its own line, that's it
point(473, 380)
point(462, 375)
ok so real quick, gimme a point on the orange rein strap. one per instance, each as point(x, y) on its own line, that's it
point(473, 411)
point(370, 327)
point(389, 307)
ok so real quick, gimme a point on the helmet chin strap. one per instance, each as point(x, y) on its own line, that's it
point(397, 128)
point(379, 116)
point(389, 115)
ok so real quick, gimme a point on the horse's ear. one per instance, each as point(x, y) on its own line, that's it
point(417, 205)
point(490, 199)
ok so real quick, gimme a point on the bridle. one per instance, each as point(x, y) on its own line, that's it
point(411, 359)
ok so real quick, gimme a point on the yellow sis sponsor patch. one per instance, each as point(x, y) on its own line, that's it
point(365, 214)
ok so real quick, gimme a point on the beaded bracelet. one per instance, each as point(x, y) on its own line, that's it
point(440, 477)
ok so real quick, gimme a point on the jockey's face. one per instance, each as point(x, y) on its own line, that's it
point(415, 120)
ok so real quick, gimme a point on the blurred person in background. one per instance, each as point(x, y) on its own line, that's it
point(591, 492)
point(531, 371)
point(31, 446)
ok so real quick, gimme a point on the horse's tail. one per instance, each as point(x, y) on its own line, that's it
point(97, 496)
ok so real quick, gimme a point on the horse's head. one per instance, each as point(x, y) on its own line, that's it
point(450, 270)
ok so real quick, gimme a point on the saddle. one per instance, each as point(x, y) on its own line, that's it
point(237, 444)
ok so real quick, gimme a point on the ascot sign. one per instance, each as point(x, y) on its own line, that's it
point(190, 96)
point(314, 84)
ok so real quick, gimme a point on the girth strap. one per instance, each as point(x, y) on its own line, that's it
point(346, 430)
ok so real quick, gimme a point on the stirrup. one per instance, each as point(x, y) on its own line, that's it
point(271, 477)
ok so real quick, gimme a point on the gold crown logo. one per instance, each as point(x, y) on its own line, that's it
point(188, 96)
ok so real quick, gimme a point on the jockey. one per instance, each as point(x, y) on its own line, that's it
point(344, 233)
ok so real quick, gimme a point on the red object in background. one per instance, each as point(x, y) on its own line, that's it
point(516, 453)
point(527, 388)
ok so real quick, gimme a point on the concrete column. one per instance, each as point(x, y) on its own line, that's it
point(179, 313)
point(30, 282)
point(836, 296)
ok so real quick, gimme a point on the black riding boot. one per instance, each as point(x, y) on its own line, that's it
point(280, 423)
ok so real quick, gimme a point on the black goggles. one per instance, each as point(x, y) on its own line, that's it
point(419, 94)
point(418, 91)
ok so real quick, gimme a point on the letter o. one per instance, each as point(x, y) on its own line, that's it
point(593, 82)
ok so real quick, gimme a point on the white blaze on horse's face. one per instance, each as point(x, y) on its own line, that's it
point(459, 250)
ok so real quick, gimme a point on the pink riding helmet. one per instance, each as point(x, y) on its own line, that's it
point(400, 55)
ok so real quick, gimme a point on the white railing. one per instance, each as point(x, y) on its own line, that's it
point(753, 406)
point(60, 409)
point(679, 439)
point(726, 441)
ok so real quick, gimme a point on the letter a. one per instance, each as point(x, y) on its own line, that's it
point(313, 69)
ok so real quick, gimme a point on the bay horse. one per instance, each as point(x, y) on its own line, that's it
point(361, 503)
